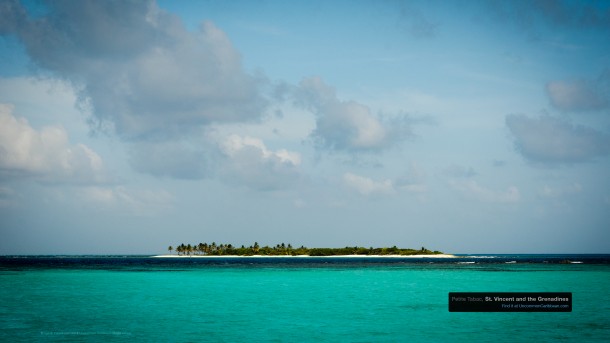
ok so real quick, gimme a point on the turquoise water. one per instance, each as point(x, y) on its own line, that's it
point(351, 302)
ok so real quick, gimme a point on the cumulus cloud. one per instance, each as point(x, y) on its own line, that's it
point(551, 140)
point(45, 154)
point(367, 186)
point(347, 125)
point(580, 95)
point(137, 67)
point(472, 190)
point(247, 161)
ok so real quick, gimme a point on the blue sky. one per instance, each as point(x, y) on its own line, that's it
point(466, 126)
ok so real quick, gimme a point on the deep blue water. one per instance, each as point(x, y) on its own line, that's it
point(145, 262)
point(138, 298)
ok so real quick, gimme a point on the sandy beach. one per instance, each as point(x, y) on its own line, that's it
point(301, 256)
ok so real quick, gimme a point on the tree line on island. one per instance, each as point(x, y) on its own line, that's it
point(213, 249)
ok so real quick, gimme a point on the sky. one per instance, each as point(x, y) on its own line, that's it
point(460, 126)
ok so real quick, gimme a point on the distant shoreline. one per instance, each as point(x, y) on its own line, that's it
point(308, 256)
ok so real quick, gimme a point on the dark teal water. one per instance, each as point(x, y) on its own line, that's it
point(96, 299)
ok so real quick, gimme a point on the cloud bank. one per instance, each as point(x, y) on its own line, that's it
point(141, 72)
point(156, 85)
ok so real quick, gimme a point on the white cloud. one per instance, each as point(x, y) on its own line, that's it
point(45, 154)
point(347, 125)
point(248, 161)
point(472, 190)
point(553, 140)
point(235, 144)
point(367, 186)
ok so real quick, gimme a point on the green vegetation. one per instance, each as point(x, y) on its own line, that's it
point(288, 250)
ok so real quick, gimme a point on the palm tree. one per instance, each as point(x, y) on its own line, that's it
point(170, 249)
point(180, 249)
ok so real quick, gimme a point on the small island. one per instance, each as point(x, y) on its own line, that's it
point(286, 250)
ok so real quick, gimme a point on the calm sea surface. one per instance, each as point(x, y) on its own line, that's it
point(131, 298)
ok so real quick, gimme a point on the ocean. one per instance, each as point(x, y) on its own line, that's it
point(143, 299)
